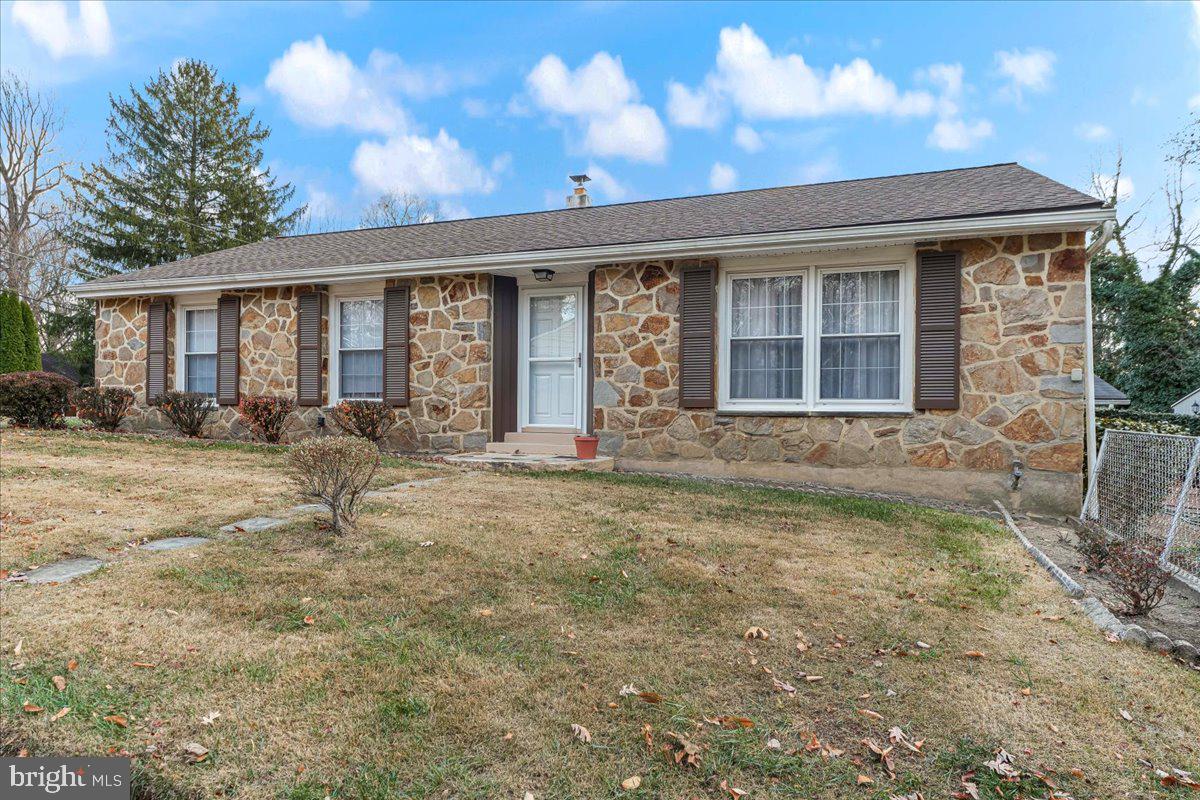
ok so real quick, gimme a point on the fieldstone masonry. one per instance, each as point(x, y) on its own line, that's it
point(1022, 335)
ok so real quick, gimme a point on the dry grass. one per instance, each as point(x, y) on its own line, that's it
point(458, 668)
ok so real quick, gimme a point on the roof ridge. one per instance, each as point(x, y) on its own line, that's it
point(663, 199)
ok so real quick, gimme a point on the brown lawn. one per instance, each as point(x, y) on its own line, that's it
point(376, 665)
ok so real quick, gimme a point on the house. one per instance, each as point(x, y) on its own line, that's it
point(1188, 404)
point(921, 333)
point(1107, 395)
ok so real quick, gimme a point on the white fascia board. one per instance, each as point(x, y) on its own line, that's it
point(584, 257)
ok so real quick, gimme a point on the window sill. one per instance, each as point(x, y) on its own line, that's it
point(776, 412)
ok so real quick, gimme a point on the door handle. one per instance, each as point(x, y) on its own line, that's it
point(579, 359)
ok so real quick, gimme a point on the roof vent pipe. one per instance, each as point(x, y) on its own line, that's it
point(579, 198)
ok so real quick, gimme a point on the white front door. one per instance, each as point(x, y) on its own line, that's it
point(551, 379)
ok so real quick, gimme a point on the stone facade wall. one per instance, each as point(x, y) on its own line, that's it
point(450, 328)
point(450, 375)
point(1022, 334)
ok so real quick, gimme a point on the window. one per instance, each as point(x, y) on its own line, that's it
point(817, 338)
point(766, 346)
point(860, 335)
point(360, 349)
point(200, 351)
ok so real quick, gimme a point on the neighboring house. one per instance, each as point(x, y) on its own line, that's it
point(1107, 395)
point(1188, 404)
point(917, 333)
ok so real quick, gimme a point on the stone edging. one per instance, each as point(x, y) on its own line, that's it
point(1072, 587)
point(1099, 614)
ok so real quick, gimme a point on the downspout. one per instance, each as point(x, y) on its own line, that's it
point(1089, 376)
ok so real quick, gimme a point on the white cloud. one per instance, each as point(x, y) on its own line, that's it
point(763, 85)
point(747, 138)
point(1194, 102)
point(822, 169)
point(948, 78)
point(699, 108)
point(355, 8)
point(412, 163)
point(1092, 131)
point(603, 101)
point(477, 107)
point(607, 185)
point(50, 25)
point(722, 177)
point(323, 88)
point(957, 134)
point(419, 83)
point(1029, 69)
point(1124, 186)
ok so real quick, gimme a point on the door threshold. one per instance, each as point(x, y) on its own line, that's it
point(549, 429)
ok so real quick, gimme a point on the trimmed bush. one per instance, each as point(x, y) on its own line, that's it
point(102, 406)
point(1138, 576)
point(266, 415)
point(34, 399)
point(335, 472)
point(369, 419)
point(1121, 419)
point(187, 411)
point(13, 357)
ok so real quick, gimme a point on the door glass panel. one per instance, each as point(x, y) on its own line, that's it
point(552, 326)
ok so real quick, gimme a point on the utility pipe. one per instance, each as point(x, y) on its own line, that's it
point(1089, 373)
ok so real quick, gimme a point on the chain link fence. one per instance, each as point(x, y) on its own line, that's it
point(1146, 489)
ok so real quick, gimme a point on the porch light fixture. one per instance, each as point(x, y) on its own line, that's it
point(544, 275)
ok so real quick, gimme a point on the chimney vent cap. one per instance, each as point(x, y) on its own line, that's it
point(580, 179)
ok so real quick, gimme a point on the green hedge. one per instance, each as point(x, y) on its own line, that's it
point(20, 349)
point(1148, 421)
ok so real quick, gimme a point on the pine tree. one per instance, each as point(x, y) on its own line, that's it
point(183, 176)
point(13, 357)
point(33, 345)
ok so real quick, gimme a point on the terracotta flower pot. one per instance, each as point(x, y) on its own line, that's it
point(585, 446)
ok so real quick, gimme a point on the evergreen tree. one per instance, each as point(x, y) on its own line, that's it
point(13, 356)
point(183, 176)
point(33, 346)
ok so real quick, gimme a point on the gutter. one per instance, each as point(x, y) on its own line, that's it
point(1102, 240)
point(587, 257)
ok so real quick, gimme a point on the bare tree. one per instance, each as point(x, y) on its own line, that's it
point(401, 208)
point(1108, 188)
point(34, 252)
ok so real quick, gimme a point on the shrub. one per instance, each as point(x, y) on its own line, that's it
point(1166, 425)
point(1094, 545)
point(187, 411)
point(33, 343)
point(369, 419)
point(34, 399)
point(104, 407)
point(1189, 423)
point(1138, 576)
point(335, 472)
point(266, 415)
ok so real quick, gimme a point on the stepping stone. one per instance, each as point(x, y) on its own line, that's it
point(175, 543)
point(306, 508)
point(253, 525)
point(64, 571)
point(407, 485)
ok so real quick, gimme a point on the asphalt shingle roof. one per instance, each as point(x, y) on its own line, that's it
point(972, 192)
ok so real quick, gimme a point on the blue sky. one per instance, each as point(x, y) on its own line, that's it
point(488, 107)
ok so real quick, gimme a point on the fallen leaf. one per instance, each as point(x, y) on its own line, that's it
point(774, 744)
point(17, 649)
point(755, 633)
point(735, 722)
point(975, 654)
point(485, 612)
point(72, 665)
point(629, 689)
point(196, 752)
point(1126, 715)
point(733, 791)
point(210, 718)
point(631, 783)
point(685, 753)
point(144, 665)
point(651, 697)
point(30, 708)
point(783, 686)
point(884, 754)
point(62, 712)
point(1003, 764)
point(581, 733)
point(310, 620)
point(814, 678)
point(59, 682)
point(118, 720)
point(863, 780)
point(866, 712)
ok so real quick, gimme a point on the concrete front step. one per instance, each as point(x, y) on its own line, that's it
point(531, 448)
point(541, 437)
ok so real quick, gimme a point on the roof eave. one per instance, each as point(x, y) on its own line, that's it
point(727, 246)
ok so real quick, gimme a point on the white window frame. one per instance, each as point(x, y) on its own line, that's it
point(181, 309)
point(813, 269)
point(335, 344)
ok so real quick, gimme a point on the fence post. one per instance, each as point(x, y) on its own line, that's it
point(1091, 490)
point(1184, 490)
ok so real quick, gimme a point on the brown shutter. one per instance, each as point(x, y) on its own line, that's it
point(310, 309)
point(156, 350)
point(504, 356)
point(229, 328)
point(697, 324)
point(939, 291)
point(395, 346)
point(589, 356)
